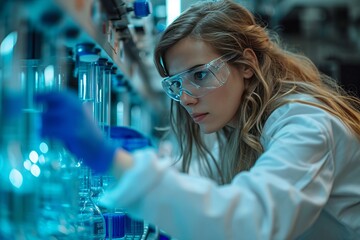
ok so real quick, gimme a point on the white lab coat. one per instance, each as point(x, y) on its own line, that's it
point(306, 183)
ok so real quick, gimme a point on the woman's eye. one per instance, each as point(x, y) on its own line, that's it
point(200, 75)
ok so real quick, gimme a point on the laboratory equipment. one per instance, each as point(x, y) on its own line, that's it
point(91, 187)
point(115, 222)
point(86, 56)
point(19, 170)
point(47, 193)
point(90, 217)
point(45, 70)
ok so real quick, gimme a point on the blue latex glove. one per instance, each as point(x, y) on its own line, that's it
point(65, 118)
point(128, 138)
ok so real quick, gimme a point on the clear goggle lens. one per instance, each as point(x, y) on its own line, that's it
point(198, 81)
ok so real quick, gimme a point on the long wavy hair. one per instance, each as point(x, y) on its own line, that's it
point(228, 27)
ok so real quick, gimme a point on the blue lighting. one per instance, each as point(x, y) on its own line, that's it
point(34, 156)
point(8, 44)
point(44, 148)
point(49, 75)
point(35, 170)
point(16, 178)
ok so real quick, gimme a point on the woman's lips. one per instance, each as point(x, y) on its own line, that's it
point(198, 117)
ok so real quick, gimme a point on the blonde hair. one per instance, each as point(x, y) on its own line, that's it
point(229, 27)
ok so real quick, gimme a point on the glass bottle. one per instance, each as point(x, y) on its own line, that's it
point(115, 222)
point(90, 216)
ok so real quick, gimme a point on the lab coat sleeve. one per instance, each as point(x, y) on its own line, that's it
point(278, 198)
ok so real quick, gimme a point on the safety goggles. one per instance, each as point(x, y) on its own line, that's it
point(198, 81)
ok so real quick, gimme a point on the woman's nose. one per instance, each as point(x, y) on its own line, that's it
point(186, 99)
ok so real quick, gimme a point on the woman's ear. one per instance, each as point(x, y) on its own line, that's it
point(249, 55)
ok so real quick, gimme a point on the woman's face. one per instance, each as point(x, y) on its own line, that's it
point(217, 108)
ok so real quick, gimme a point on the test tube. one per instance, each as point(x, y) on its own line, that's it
point(107, 94)
point(86, 57)
point(100, 74)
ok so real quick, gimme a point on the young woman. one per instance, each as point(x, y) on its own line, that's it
point(287, 164)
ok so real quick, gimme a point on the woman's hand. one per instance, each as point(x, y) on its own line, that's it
point(66, 118)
